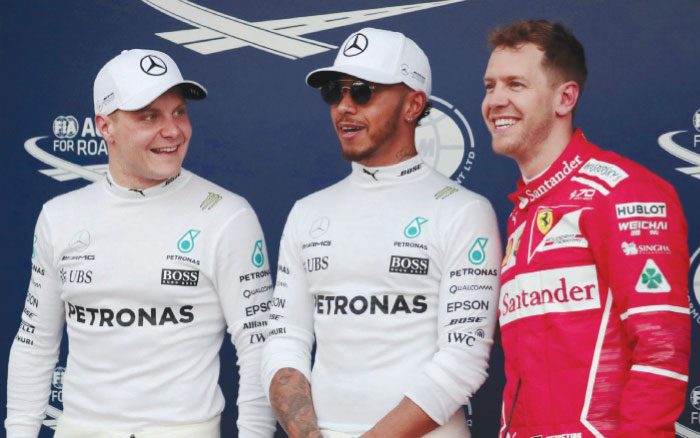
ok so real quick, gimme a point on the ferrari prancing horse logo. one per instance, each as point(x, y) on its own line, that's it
point(544, 220)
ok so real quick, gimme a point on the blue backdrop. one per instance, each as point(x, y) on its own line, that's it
point(265, 135)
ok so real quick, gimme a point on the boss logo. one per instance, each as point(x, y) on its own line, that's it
point(409, 265)
point(179, 277)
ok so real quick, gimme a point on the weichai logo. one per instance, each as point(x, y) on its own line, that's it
point(552, 291)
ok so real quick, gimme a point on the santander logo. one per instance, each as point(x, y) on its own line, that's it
point(552, 291)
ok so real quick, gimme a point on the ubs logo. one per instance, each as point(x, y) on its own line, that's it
point(75, 276)
point(356, 44)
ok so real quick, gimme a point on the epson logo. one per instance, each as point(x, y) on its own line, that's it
point(179, 277)
point(467, 305)
point(409, 265)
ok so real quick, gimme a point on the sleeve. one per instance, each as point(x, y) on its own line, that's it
point(466, 313)
point(645, 257)
point(245, 290)
point(35, 349)
point(290, 336)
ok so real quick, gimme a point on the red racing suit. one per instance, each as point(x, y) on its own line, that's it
point(594, 301)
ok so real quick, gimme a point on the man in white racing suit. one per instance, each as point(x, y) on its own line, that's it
point(393, 271)
point(147, 268)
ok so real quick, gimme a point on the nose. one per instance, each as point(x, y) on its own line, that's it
point(496, 97)
point(170, 127)
point(346, 104)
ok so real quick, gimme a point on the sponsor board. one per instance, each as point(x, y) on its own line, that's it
point(445, 142)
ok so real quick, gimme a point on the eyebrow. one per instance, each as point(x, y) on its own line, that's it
point(507, 78)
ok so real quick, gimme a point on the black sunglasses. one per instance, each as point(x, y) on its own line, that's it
point(332, 92)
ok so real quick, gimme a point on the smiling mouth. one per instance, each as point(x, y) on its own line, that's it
point(164, 150)
point(349, 130)
point(504, 123)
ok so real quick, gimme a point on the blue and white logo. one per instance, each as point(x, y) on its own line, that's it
point(668, 143)
point(213, 31)
point(445, 141)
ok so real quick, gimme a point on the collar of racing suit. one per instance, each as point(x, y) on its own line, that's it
point(408, 170)
point(574, 156)
point(168, 186)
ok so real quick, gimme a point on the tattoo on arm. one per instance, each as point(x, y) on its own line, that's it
point(290, 394)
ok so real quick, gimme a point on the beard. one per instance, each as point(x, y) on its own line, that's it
point(376, 140)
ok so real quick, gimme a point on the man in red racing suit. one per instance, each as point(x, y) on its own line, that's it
point(594, 301)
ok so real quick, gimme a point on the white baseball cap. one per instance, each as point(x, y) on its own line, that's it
point(379, 56)
point(135, 78)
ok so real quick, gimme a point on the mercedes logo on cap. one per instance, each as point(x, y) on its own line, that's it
point(357, 44)
point(153, 65)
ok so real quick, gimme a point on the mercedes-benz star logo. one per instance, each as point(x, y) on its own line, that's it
point(319, 227)
point(153, 65)
point(357, 44)
point(80, 241)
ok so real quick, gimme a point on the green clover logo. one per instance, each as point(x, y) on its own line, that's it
point(651, 278)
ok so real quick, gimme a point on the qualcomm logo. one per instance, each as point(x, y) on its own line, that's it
point(213, 31)
point(668, 144)
point(70, 139)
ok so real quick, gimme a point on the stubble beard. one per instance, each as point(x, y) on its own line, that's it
point(376, 140)
point(527, 146)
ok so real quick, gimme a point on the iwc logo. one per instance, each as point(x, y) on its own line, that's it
point(445, 141)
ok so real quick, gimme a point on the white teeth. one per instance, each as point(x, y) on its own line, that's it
point(501, 123)
point(172, 149)
point(347, 129)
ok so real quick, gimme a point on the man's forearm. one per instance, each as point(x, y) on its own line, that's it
point(290, 394)
point(407, 420)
